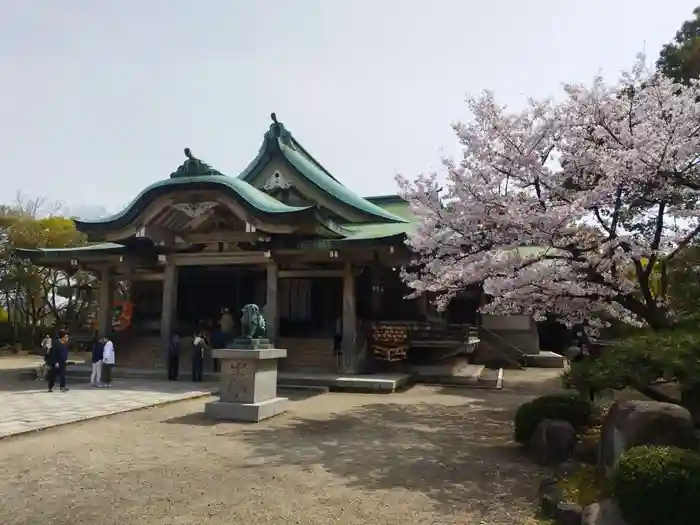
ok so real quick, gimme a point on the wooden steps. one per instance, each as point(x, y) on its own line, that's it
point(314, 355)
point(139, 352)
point(308, 355)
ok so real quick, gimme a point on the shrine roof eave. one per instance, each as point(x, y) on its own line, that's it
point(103, 248)
point(362, 244)
point(367, 236)
point(62, 257)
point(254, 201)
point(279, 141)
point(376, 232)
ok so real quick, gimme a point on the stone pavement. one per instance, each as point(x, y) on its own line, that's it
point(26, 405)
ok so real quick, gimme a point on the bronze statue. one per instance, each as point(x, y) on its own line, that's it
point(252, 322)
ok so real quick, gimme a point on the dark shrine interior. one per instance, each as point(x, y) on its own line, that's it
point(203, 291)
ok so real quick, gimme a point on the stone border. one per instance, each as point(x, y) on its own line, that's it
point(104, 416)
point(481, 382)
point(553, 504)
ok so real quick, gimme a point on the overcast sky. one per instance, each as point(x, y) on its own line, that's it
point(100, 97)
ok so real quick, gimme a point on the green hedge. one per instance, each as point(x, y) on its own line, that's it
point(572, 408)
point(658, 486)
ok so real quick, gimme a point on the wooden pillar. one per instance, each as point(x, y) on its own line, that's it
point(377, 291)
point(271, 301)
point(167, 315)
point(105, 299)
point(349, 345)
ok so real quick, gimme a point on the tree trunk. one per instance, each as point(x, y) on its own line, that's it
point(690, 399)
point(656, 395)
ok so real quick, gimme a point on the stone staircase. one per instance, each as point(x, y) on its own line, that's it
point(502, 349)
point(498, 349)
point(545, 359)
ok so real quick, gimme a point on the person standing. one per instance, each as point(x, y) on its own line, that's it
point(174, 358)
point(198, 344)
point(97, 351)
point(226, 325)
point(108, 360)
point(338, 343)
point(56, 360)
point(583, 343)
point(46, 345)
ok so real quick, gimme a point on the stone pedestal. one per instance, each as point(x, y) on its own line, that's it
point(248, 382)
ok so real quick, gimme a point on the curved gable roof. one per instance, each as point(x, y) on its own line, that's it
point(279, 139)
point(195, 174)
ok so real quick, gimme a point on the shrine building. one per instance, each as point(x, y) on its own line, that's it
point(285, 234)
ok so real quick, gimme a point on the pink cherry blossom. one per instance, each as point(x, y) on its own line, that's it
point(564, 207)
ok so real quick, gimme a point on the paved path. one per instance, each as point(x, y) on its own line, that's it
point(27, 406)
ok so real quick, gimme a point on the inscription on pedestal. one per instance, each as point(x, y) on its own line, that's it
point(238, 378)
point(248, 383)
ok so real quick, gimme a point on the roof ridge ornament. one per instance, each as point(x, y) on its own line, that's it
point(194, 167)
point(277, 181)
point(278, 131)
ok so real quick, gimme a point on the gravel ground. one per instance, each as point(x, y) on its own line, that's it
point(430, 455)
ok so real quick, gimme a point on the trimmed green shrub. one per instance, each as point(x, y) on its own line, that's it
point(584, 486)
point(658, 486)
point(572, 408)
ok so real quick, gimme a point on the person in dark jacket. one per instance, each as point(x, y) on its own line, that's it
point(174, 357)
point(97, 349)
point(582, 341)
point(57, 358)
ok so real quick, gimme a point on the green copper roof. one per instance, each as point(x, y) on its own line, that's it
point(279, 140)
point(365, 232)
point(394, 204)
point(195, 174)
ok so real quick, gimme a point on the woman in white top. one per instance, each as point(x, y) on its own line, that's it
point(198, 344)
point(108, 360)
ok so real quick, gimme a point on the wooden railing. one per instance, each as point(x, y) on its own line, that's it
point(516, 360)
point(391, 340)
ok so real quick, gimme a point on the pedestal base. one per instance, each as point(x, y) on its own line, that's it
point(248, 412)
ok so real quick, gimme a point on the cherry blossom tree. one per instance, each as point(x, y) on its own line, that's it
point(571, 208)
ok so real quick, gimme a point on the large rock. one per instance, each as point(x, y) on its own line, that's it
point(550, 496)
point(586, 450)
point(632, 423)
point(567, 513)
point(602, 513)
point(553, 442)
